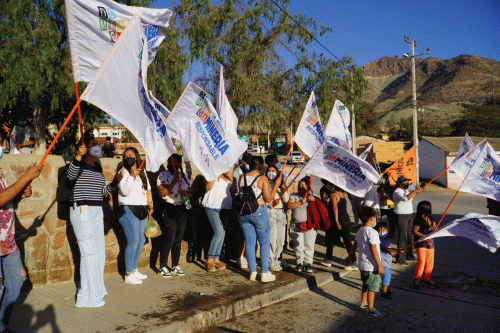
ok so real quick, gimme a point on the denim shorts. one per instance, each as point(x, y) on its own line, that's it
point(371, 280)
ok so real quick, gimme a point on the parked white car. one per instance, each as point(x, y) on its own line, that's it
point(294, 157)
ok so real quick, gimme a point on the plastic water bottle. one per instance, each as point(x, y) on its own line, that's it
point(186, 202)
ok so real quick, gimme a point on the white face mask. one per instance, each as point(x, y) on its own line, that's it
point(272, 175)
point(95, 151)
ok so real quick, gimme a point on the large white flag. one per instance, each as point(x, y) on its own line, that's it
point(158, 106)
point(309, 136)
point(120, 89)
point(339, 166)
point(205, 142)
point(484, 176)
point(364, 154)
point(337, 127)
point(462, 165)
point(484, 230)
point(226, 113)
point(94, 26)
point(466, 146)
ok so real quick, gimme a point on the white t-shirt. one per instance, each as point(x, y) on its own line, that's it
point(131, 191)
point(365, 237)
point(401, 203)
point(219, 197)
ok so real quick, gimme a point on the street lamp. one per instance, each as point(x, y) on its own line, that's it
point(413, 44)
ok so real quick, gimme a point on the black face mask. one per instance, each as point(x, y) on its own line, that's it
point(129, 162)
point(405, 186)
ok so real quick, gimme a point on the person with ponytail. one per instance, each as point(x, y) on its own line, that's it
point(133, 211)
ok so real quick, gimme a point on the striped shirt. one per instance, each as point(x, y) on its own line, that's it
point(91, 186)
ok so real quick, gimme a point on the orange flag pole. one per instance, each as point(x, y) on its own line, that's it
point(286, 159)
point(142, 163)
point(300, 159)
point(176, 172)
point(433, 179)
point(11, 137)
point(79, 114)
point(60, 131)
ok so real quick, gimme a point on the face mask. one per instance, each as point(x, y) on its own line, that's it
point(382, 235)
point(272, 175)
point(22, 123)
point(2, 149)
point(405, 186)
point(129, 162)
point(374, 224)
point(247, 167)
point(95, 151)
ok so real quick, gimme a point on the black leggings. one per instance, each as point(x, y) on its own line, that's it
point(172, 233)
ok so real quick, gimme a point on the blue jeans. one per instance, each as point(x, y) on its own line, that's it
point(134, 232)
point(12, 281)
point(256, 226)
point(88, 224)
point(218, 219)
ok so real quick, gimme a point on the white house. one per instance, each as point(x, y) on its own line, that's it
point(113, 131)
point(436, 154)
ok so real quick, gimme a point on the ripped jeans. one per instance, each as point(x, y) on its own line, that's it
point(88, 224)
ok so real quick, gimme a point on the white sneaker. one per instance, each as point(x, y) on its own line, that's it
point(351, 267)
point(253, 276)
point(139, 275)
point(242, 262)
point(267, 277)
point(275, 266)
point(326, 262)
point(164, 272)
point(177, 270)
point(132, 279)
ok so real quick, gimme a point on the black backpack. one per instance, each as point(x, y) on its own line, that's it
point(64, 194)
point(246, 202)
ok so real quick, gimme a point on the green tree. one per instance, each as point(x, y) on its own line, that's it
point(479, 120)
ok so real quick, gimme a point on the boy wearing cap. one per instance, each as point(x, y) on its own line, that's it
point(403, 208)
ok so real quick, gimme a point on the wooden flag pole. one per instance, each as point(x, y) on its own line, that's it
point(59, 133)
point(79, 114)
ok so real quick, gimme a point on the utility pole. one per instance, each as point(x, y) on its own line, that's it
point(413, 44)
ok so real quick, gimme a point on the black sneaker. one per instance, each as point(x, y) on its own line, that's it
point(388, 292)
point(299, 268)
point(165, 272)
point(431, 283)
point(386, 296)
point(416, 284)
point(308, 268)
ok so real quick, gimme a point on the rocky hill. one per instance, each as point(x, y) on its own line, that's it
point(443, 85)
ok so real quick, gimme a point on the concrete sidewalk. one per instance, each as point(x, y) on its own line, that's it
point(178, 304)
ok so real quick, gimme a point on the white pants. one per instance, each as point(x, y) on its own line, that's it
point(277, 219)
point(303, 244)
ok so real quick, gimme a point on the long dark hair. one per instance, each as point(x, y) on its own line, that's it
point(138, 161)
point(424, 209)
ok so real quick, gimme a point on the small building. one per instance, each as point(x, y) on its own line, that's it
point(113, 131)
point(436, 154)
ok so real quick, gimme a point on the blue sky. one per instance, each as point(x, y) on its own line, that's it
point(369, 30)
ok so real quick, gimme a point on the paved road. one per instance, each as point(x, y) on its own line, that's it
point(468, 298)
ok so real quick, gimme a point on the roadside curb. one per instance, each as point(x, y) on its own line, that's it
point(238, 305)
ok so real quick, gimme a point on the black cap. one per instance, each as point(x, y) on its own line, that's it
point(401, 179)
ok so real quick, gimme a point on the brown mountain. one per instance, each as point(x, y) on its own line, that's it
point(443, 85)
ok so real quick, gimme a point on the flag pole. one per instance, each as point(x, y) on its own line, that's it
point(300, 159)
point(286, 159)
point(176, 172)
point(433, 179)
point(11, 137)
point(293, 181)
point(60, 131)
point(79, 114)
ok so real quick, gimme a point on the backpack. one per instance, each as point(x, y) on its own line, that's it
point(317, 215)
point(245, 202)
point(64, 193)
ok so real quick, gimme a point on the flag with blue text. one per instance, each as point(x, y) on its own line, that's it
point(120, 89)
point(466, 146)
point(463, 165)
point(205, 142)
point(309, 136)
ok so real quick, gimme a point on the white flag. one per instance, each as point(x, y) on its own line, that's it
point(158, 106)
point(339, 166)
point(337, 127)
point(226, 113)
point(309, 136)
point(464, 163)
point(204, 141)
point(466, 146)
point(120, 89)
point(484, 230)
point(94, 26)
point(484, 176)
point(364, 154)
